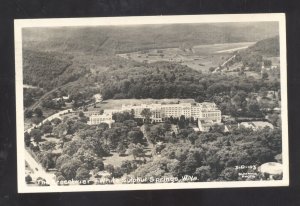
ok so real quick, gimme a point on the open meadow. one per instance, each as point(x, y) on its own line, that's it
point(200, 57)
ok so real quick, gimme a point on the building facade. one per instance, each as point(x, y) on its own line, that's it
point(95, 119)
point(207, 111)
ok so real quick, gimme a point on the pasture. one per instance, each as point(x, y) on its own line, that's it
point(200, 57)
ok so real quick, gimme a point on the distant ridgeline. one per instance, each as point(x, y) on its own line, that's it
point(122, 39)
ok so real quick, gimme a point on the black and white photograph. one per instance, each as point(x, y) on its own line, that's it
point(147, 103)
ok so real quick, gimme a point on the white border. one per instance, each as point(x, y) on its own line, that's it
point(114, 21)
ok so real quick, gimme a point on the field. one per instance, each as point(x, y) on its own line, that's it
point(117, 160)
point(117, 103)
point(200, 57)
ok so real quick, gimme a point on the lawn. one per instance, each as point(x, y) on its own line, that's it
point(117, 160)
point(200, 57)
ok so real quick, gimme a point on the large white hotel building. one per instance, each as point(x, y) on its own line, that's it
point(207, 111)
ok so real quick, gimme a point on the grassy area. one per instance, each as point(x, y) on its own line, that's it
point(200, 57)
point(221, 48)
point(117, 160)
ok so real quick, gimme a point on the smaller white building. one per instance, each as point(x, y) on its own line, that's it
point(97, 119)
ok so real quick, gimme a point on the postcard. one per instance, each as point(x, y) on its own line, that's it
point(153, 102)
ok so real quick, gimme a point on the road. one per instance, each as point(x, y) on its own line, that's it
point(38, 170)
point(146, 136)
point(37, 103)
point(56, 115)
point(228, 60)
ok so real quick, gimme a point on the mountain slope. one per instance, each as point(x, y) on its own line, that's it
point(266, 47)
point(118, 39)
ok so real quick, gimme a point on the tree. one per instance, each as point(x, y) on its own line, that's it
point(211, 69)
point(28, 113)
point(189, 164)
point(69, 168)
point(56, 121)
point(36, 134)
point(192, 137)
point(167, 125)
point(265, 76)
point(28, 179)
point(47, 128)
point(101, 111)
point(62, 159)
point(82, 174)
point(81, 114)
point(229, 174)
point(118, 172)
point(61, 129)
point(157, 133)
point(27, 139)
point(135, 136)
point(121, 149)
point(122, 116)
point(70, 148)
point(267, 63)
point(110, 168)
point(36, 120)
point(146, 113)
point(60, 179)
point(41, 181)
point(38, 112)
point(219, 128)
point(99, 164)
point(275, 119)
point(126, 166)
point(137, 150)
point(48, 145)
point(46, 160)
point(182, 123)
point(254, 110)
point(86, 155)
point(203, 173)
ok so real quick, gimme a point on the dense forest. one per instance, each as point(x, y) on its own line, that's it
point(167, 80)
point(49, 69)
point(213, 156)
